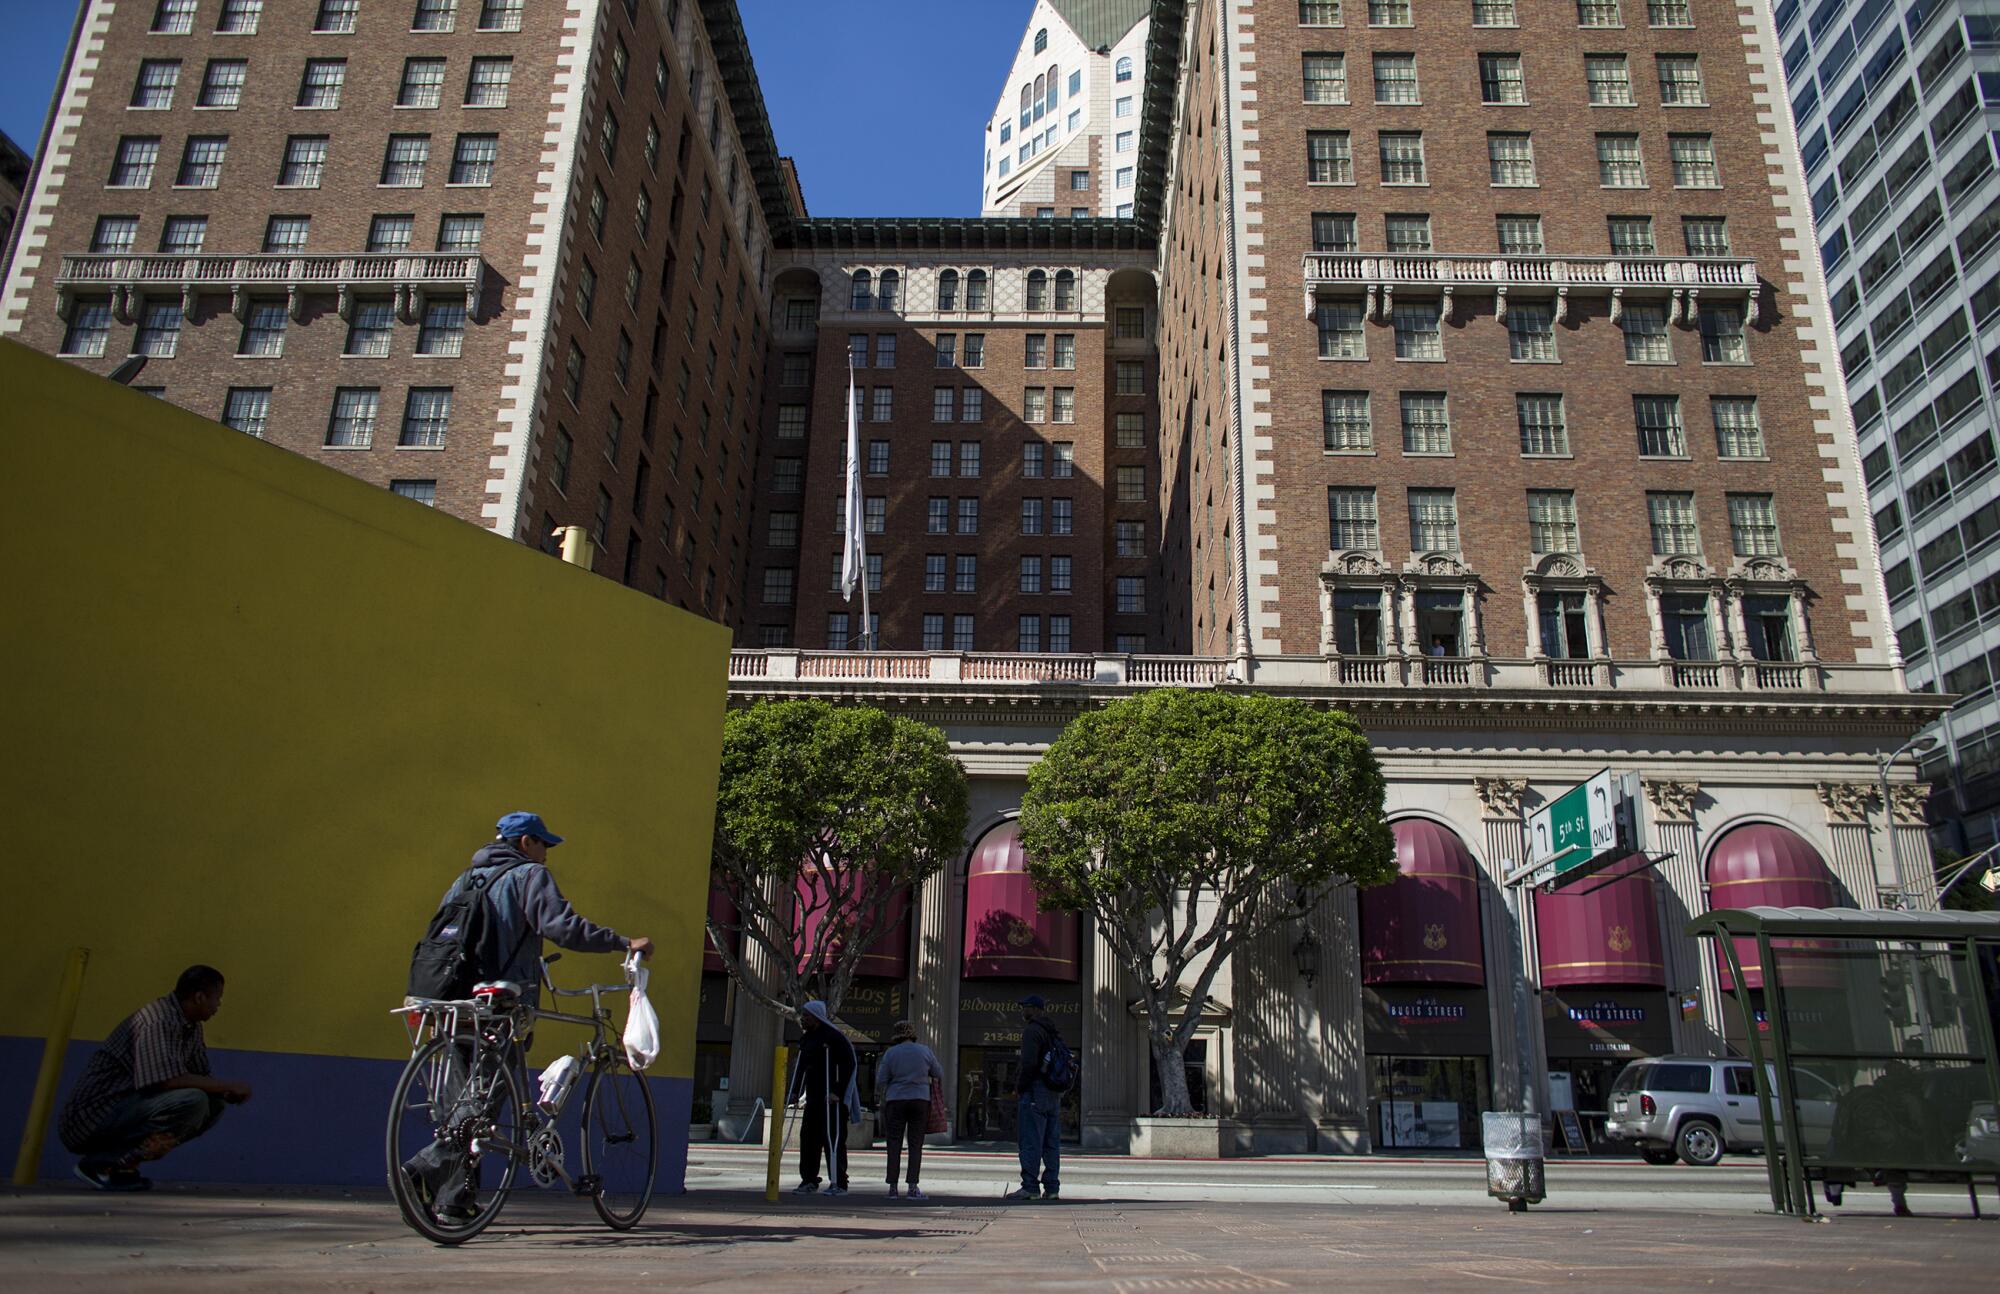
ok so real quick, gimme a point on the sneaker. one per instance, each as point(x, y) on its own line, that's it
point(1051, 1195)
point(835, 1190)
point(916, 1194)
point(806, 1188)
point(892, 1190)
point(1024, 1193)
point(106, 1175)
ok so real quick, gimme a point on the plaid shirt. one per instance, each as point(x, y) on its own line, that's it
point(153, 1044)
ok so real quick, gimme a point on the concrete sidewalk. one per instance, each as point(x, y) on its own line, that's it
point(210, 1240)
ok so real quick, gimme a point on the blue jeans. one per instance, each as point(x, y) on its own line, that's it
point(182, 1113)
point(1040, 1126)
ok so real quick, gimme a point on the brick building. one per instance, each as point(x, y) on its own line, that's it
point(14, 167)
point(1347, 406)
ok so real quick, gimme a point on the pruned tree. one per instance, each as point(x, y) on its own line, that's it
point(825, 819)
point(1186, 822)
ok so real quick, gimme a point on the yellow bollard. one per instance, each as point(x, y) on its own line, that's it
point(43, 1101)
point(777, 1126)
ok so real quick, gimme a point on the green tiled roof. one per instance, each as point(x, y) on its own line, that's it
point(1101, 23)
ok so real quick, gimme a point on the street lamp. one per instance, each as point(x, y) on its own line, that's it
point(1305, 952)
point(1915, 745)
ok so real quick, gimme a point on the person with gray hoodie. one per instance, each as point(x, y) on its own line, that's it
point(903, 1084)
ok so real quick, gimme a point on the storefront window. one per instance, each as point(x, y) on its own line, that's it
point(1429, 1102)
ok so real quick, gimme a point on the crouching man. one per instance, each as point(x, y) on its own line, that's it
point(148, 1089)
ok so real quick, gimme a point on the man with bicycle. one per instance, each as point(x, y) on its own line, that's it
point(523, 907)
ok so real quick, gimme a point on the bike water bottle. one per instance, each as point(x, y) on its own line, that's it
point(556, 1081)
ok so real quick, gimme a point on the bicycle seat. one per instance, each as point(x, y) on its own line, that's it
point(498, 995)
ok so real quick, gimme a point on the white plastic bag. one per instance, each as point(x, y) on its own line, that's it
point(642, 1026)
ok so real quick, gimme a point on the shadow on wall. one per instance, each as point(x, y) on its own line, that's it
point(272, 711)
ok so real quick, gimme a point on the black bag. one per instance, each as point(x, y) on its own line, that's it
point(1058, 1064)
point(459, 950)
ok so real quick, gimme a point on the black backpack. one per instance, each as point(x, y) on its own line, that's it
point(460, 947)
point(1058, 1064)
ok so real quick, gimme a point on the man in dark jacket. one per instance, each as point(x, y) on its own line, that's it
point(527, 907)
point(825, 1079)
point(1039, 1118)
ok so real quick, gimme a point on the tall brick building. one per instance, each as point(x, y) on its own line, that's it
point(1466, 367)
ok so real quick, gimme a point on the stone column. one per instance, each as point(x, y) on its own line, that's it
point(1855, 847)
point(754, 1038)
point(1510, 951)
point(1906, 805)
point(934, 977)
point(1109, 1040)
point(1272, 1038)
point(1682, 895)
point(1338, 1060)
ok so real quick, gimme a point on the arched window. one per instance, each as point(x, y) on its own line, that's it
point(1054, 94)
point(975, 290)
point(1065, 290)
point(864, 291)
point(1122, 70)
point(948, 290)
point(1041, 40)
point(885, 295)
point(1038, 290)
point(1041, 84)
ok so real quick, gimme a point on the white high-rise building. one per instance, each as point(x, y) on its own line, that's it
point(1064, 137)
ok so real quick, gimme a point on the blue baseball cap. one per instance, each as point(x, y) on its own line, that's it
point(1034, 1000)
point(515, 825)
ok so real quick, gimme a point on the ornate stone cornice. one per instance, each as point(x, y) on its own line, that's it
point(1848, 802)
point(1672, 801)
point(1501, 795)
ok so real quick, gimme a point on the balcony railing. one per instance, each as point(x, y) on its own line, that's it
point(1361, 673)
point(1613, 276)
point(404, 274)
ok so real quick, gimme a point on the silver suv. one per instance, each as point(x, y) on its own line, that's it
point(1696, 1107)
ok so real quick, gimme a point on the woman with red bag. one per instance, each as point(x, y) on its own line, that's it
point(908, 1077)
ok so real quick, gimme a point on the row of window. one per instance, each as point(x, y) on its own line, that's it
point(474, 157)
point(352, 420)
point(1519, 234)
point(1353, 522)
point(370, 329)
point(935, 638)
point(1511, 159)
point(1502, 79)
point(1949, 619)
point(1497, 13)
point(422, 85)
point(1347, 422)
point(1419, 332)
point(870, 291)
point(241, 17)
point(186, 235)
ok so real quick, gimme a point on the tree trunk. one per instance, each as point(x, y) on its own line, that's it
point(1170, 1063)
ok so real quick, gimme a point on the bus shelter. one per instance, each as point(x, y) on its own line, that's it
point(1871, 1035)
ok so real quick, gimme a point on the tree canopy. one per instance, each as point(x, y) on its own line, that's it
point(824, 815)
point(1187, 822)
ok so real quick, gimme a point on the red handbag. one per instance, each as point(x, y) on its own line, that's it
point(940, 1120)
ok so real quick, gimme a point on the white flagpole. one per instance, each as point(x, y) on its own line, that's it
point(854, 560)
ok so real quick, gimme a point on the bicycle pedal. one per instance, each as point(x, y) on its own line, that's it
point(588, 1184)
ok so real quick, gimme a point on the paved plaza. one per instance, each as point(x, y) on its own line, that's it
point(1185, 1225)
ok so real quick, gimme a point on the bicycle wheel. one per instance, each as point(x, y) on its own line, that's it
point(621, 1145)
point(452, 1139)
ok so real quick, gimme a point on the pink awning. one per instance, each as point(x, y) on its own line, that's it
point(724, 911)
point(1763, 865)
point(1610, 935)
point(1423, 927)
point(889, 957)
point(1006, 935)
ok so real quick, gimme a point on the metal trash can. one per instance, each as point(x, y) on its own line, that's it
point(1514, 1159)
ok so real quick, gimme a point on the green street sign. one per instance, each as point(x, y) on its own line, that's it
point(1575, 827)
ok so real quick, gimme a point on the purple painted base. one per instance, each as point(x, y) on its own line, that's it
point(313, 1121)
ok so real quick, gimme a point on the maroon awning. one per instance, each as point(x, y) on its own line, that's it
point(1423, 927)
point(1006, 935)
point(1763, 865)
point(1610, 935)
point(723, 910)
point(889, 957)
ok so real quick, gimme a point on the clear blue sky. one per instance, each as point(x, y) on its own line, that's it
point(882, 102)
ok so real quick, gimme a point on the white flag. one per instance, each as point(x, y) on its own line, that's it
point(854, 558)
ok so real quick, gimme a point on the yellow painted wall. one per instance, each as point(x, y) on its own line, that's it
point(260, 715)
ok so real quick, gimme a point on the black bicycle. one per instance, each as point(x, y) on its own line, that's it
point(461, 1128)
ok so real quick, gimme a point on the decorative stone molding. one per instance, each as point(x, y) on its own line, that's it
point(1672, 801)
point(1686, 574)
point(1772, 576)
point(1906, 802)
point(1567, 573)
point(1848, 802)
point(1441, 572)
point(1501, 795)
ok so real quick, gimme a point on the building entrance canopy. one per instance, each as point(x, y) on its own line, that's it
point(1423, 927)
